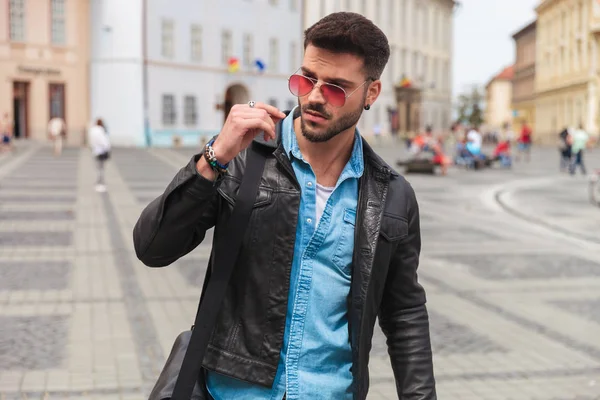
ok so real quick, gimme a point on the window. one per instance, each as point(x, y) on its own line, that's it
point(226, 46)
point(293, 57)
point(273, 102)
point(58, 35)
point(168, 40)
point(168, 109)
point(17, 20)
point(273, 54)
point(57, 100)
point(196, 41)
point(248, 47)
point(190, 116)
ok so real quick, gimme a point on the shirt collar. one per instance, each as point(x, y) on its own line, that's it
point(355, 166)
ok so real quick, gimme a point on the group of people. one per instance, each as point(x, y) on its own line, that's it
point(572, 143)
point(468, 146)
point(57, 131)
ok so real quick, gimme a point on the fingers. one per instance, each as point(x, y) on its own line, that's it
point(254, 113)
point(259, 124)
point(273, 111)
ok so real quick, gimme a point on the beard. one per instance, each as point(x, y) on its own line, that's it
point(311, 131)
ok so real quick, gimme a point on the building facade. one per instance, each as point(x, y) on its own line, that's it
point(523, 84)
point(420, 36)
point(498, 100)
point(182, 67)
point(566, 79)
point(44, 58)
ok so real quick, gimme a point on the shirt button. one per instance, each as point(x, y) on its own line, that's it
point(309, 184)
point(309, 220)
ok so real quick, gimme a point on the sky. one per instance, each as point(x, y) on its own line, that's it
point(483, 43)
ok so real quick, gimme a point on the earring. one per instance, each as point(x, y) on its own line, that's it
point(367, 107)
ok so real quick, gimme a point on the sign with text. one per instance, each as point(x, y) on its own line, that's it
point(37, 70)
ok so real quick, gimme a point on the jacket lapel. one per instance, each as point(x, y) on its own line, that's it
point(373, 190)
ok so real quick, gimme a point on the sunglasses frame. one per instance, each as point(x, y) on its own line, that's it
point(316, 81)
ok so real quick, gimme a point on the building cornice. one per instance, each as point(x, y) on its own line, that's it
point(578, 84)
point(544, 5)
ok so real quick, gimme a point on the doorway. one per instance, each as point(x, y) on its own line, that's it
point(235, 94)
point(21, 109)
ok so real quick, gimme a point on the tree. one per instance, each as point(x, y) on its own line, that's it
point(469, 107)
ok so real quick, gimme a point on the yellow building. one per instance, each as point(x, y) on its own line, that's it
point(566, 78)
point(44, 58)
point(523, 84)
point(498, 98)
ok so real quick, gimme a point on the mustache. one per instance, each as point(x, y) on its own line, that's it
point(316, 108)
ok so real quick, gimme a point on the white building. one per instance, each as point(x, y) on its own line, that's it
point(161, 68)
point(420, 37)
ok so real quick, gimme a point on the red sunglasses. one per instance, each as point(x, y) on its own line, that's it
point(335, 95)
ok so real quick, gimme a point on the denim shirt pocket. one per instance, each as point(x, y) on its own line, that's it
point(342, 257)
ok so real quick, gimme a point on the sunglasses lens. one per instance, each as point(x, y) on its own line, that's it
point(300, 85)
point(334, 95)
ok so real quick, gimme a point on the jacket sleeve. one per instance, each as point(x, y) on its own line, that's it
point(176, 222)
point(403, 316)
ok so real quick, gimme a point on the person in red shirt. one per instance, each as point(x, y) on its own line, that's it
point(524, 142)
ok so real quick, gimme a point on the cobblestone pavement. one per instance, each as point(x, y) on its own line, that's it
point(510, 262)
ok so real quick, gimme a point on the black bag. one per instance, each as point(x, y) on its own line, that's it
point(104, 156)
point(182, 377)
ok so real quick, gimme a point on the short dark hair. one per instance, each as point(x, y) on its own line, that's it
point(348, 32)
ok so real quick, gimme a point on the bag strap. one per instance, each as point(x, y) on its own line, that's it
point(226, 252)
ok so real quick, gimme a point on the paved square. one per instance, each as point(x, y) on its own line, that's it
point(33, 343)
point(34, 275)
point(512, 279)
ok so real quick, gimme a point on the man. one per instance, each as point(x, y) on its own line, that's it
point(525, 141)
point(333, 242)
point(580, 140)
point(56, 131)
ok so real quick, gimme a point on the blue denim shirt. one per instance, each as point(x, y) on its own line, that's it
point(316, 357)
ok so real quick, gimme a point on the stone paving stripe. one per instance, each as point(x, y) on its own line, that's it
point(145, 337)
point(537, 329)
point(66, 215)
point(33, 343)
point(42, 184)
point(503, 266)
point(553, 373)
point(35, 239)
point(35, 275)
point(64, 395)
point(37, 199)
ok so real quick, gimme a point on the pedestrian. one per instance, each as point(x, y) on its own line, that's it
point(6, 133)
point(524, 142)
point(56, 131)
point(564, 147)
point(100, 145)
point(332, 245)
point(579, 141)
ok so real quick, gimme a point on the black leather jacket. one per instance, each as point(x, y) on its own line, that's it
point(248, 336)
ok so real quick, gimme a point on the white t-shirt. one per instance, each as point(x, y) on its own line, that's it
point(98, 140)
point(323, 193)
point(475, 138)
point(56, 126)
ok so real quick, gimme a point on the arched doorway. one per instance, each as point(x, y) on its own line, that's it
point(235, 94)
